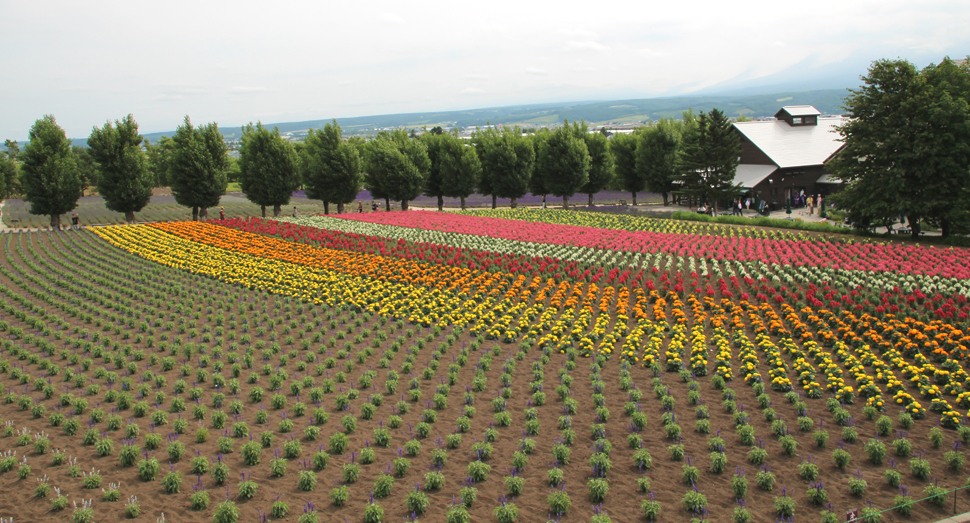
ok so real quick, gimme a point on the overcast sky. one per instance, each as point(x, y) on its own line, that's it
point(234, 62)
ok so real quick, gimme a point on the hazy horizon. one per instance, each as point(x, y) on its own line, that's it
point(299, 61)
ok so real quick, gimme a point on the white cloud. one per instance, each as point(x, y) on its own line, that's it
point(472, 90)
point(536, 71)
point(247, 89)
point(392, 18)
point(587, 45)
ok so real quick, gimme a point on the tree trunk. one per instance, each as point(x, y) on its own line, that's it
point(340, 208)
point(204, 213)
point(55, 221)
point(404, 205)
point(915, 225)
point(195, 214)
point(494, 201)
point(129, 217)
point(946, 227)
point(514, 204)
point(634, 194)
point(441, 203)
point(664, 193)
point(463, 203)
point(262, 209)
point(590, 199)
point(326, 207)
point(387, 204)
point(565, 202)
point(277, 209)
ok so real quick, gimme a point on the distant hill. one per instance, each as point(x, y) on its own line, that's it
point(828, 101)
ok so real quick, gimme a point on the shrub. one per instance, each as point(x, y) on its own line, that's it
point(506, 513)
point(307, 480)
point(919, 467)
point(903, 505)
point(816, 494)
point(849, 434)
point(902, 447)
point(788, 444)
point(559, 503)
point(841, 458)
point(884, 425)
point(821, 437)
point(373, 513)
point(226, 512)
point(468, 495)
point(643, 484)
point(416, 501)
point(757, 455)
point(650, 509)
point(676, 452)
point(936, 495)
point(784, 506)
point(739, 485)
point(172, 482)
point(936, 437)
point(251, 453)
point(690, 474)
point(338, 443)
point(765, 480)
point(339, 495)
point(954, 460)
point(857, 485)
point(808, 470)
point(694, 502)
point(876, 451)
point(554, 476)
point(148, 469)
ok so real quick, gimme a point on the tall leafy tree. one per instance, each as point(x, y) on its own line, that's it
point(657, 152)
point(397, 167)
point(158, 160)
point(624, 149)
point(461, 169)
point(333, 167)
point(12, 149)
point(564, 163)
point(434, 184)
point(908, 140)
point(87, 167)
point(600, 161)
point(537, 184)
point(708, 159)
point(49, 174)
point(197, 166)
point(9, 171)
point(267, 168)
point(124, 180)
point(507, 160)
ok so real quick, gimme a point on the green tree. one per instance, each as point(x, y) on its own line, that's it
point(507, 158)
point(12, 149)
point(49, 174)
point(564, 163)
point(657, 153)
point(124, 180)
point(537, 184)
point(158, 160)
point(267, 168)
point(9, 184)
point(197, 167)
point(908, 139)
point(9, 170)
point(333, 167)
point(461, 169)
point(624, 149)
point(601, 162)
point(433, 185)
point(397, 166)
point(87, 167)
point(708, 159)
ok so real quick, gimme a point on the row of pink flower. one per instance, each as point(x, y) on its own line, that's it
point(906, 259)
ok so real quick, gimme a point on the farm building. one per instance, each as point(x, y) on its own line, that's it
point(785, 156)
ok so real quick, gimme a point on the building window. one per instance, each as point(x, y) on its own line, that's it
point(796, 120)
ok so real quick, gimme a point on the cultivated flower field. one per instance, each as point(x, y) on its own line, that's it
point(486, 366)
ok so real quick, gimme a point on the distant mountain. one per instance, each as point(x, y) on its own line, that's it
point(596, 113)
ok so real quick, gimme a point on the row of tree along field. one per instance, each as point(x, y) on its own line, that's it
point(699, 150)
point(907, 150)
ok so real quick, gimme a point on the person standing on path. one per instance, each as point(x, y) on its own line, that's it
point(295, 214)
point(222, 213)
point(360, 207)
point(811, 203)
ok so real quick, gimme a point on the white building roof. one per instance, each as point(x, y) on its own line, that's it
point(801, 110)
point(794, 146)
point(749, 175)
